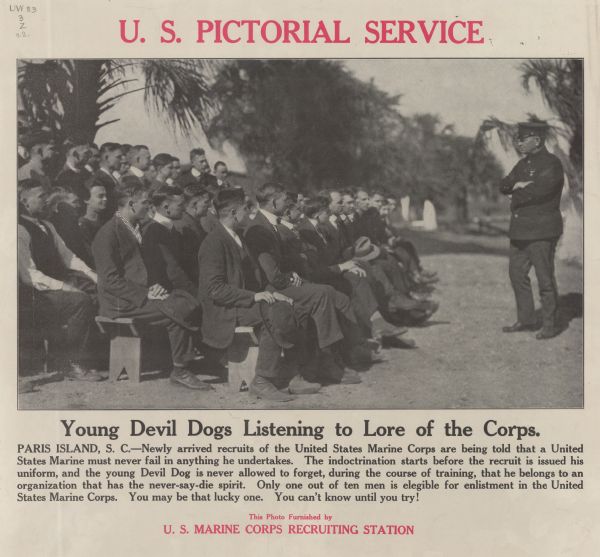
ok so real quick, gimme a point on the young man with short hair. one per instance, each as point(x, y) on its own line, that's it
point(163, 164)
point(89, 224)
point(199, 172)
point(221, 174)
point(41, 151)
point(73, 176)
point(139, 162)
point(162, 246)
point(175, 171)
point(197, 202)
point(110, 161)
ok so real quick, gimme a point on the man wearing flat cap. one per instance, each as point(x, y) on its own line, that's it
point(534, 185)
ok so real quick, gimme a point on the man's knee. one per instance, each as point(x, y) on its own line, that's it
point(517, 272)
point(319, 292)
point(79, 302)
point(546, 283)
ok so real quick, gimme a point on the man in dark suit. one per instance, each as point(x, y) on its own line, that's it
point(535, 186)
point(348, 216)
point(163, 165)
point(197, 202)
point(110, 162)
point(73, 176)
point(198, 173)
point(89, 223)
point(162, 244)
point(221, 174)
point(175, 171)
point(333, 228)
point(227, 291)
point(123, 287)
point(42, 151)
point(139, 162)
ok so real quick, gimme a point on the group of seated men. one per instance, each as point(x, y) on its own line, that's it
point(121, 234)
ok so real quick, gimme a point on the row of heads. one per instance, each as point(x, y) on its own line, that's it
point(196, 200)
point(119, 157)
point(116, 156)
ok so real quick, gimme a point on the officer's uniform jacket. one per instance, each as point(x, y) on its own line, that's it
point(535, 209)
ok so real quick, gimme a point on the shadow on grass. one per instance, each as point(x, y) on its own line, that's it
point(570, 306)
point(428, 324)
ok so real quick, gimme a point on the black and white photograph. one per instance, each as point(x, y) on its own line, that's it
point(327, 234)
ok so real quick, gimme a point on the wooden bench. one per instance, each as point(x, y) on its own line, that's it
point(126, 336)
point(242, 356)
point(125, 347)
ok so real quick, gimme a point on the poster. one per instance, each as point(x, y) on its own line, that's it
point(473, 442)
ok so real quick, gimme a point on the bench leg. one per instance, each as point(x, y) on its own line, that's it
point(125, 354)
point(242, 358)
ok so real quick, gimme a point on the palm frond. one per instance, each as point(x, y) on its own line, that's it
point(180, 91)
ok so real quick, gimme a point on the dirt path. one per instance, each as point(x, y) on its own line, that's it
point(462, 359)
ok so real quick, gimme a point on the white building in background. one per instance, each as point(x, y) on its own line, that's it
point(405, 208)
point(429, 221)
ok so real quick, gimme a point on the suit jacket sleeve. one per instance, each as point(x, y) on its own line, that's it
point(110, 269)
point(545, 184)
point(373, 227)
point(260, 246)
point(319, 272)
point(154, 257)
point(213, 277)
point(176, 274)
point(318, 260)
point(508, 182)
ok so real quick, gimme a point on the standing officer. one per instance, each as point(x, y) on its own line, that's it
point(535, 185)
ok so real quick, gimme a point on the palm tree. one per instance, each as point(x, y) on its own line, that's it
point(71, 97)
point(561, 84)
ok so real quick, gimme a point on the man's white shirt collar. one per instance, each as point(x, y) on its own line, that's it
point(195, 172)
point(161, 219)
point(234, 235)
point(106, 171)
point(270, 217)
point(136, 171)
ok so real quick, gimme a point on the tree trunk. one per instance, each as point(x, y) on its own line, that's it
point(462, 205)
point(81, 110)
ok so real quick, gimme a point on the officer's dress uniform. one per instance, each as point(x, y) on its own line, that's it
point(535, 227)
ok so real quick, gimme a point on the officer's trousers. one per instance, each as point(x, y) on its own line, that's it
point(540, 254)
